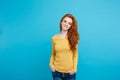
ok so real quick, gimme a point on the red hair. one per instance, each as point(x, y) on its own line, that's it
point(73, 35)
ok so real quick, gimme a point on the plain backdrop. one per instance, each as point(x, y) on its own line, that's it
point(26, 28)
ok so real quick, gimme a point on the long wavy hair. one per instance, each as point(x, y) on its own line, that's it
point(73, 35)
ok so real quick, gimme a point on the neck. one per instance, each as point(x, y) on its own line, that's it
point(64, 32)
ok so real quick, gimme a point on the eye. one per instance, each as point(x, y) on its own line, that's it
point(70, 23)
point(65, 21)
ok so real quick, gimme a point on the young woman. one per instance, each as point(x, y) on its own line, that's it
point(64, 57)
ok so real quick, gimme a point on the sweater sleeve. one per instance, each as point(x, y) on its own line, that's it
point(75, 59)
point(53, 54)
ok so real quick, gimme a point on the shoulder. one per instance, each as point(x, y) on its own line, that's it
point(54, 36)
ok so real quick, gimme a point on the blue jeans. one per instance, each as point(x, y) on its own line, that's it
point(63, 76)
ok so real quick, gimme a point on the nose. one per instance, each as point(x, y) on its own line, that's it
point(66, 23)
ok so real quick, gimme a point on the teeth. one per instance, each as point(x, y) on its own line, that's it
point(65, 26)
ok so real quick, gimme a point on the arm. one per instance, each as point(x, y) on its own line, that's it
point(75, 59)
point(52, 55)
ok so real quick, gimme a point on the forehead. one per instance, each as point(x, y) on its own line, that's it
point(68, 19)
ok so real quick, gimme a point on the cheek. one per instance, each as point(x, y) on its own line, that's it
point(69, 26)
point(62, 22)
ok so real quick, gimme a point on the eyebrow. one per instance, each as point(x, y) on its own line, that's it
point(66, 21)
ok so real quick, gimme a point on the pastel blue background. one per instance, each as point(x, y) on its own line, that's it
point(26, 28)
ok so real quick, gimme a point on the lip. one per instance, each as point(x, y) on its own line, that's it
point(65, 26)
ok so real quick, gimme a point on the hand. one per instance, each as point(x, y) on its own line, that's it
point(70, 72)
point(53, 68)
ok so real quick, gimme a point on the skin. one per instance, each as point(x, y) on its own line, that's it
point(66, 25)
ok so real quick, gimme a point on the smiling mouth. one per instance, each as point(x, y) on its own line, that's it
point(65, 26)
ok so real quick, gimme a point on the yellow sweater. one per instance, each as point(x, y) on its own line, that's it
point(62, 57)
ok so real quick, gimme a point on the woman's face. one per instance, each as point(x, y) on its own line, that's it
point(66, 23)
